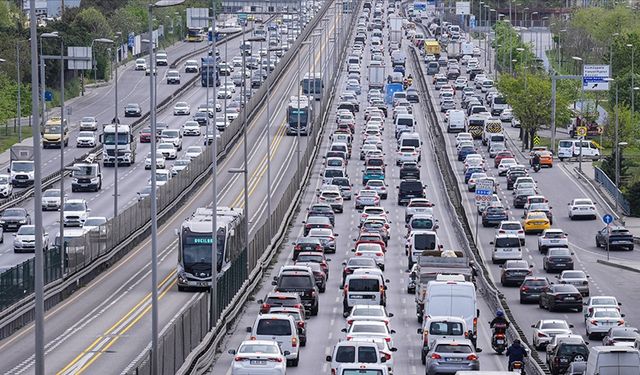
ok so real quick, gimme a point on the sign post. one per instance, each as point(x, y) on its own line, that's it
point(608, 219)
point(595, 77)
point(484, 192)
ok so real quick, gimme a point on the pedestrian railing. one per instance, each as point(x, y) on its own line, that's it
point(612, 189)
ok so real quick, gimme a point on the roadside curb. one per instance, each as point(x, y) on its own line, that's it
point(618, 265)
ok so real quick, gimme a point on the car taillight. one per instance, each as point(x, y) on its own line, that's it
point(472, 357)
point(379, 254)
point(387, 339)
point(349, 338)
point(358, 253)
point(297, 248)
point(475, 324)
point(276, 359)
point(333, 372)
point(621, 322)
point(585, 282)
point(436, 356)
point(541, 334)
point(348, 270)
point(520, 231)
point(318, 248)
point(349, 321)
point(265, 307)
point(240, 359)
point(387, 356)
point(253, 338)
point(294, 342)
point(501, 231)
point(301, 324)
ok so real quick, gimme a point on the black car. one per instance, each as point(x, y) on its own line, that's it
point(201, 118)
point(532, 287)
point(316, 222)
point(512, 176)
point(520, 200)
point(301, 283)
point(409, 189)
point(321, 209)
point(13, 218)
point(412, 96)
point(409, 170)
point(614, 237)
point(569, 350)
point(514, 272)
point(561, 296)
point(306, 244)
point(132, 110)
point(558, 259)
point(493, 216)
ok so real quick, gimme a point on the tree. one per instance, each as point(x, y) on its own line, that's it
point(633, 196)
point(608, 166)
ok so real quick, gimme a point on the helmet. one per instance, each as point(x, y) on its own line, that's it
point(516, 341)
point(499, 313)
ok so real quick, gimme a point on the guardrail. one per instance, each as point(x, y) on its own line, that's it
point(604, 181)
point(491, 293)
point(174, 342)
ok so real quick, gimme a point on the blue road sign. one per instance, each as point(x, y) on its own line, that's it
point(48, 96)
point(607, 219)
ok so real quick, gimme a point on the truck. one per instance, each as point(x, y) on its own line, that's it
point(21, 166)
point(376, 77)
point(432, 47)
point(208, 73)
point(593, 129)
point(86, 176)
point(126, 145)
point(53, 131)
point(475, 125)
point(491, 126)
point(395, 36)
point(433, 263)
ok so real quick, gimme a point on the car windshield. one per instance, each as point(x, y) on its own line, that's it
point(453, 348)
point(24, 166)
point(554, 235)
point(559, 252)
point(259, 348)
point(364, 285)
point(571, 349)
point(535, 283)
point(507, 242)
point(368, 328)
point(51, 193)
point(274, 327)
point(74, 206)
point(362, 262)
point(28, 230)
point(88, 119)
point(94, 222)
point(13, 212)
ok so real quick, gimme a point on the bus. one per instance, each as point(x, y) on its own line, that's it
point(299, 110)
point(194, 35)
point(208, 73)
point(195, 241)
point(312, 85)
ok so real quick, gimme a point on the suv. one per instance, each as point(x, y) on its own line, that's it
point(566, 351)
point(281, 328)
point(532, 287)
point(552, 238)
point(514, 272)
point(410, 170)
point(277, 299)
point(409, 189)
point(302, 283)
point(173, 77)
point(76, 212)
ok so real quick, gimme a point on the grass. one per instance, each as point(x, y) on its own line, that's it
point(9, 136)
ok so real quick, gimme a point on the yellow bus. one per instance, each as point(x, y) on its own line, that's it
point(194, 34)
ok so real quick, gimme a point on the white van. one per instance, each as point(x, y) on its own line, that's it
point(498, 104)
point(506, 247)
point(404, 123)
point(280, 328)
point(348, 351)
point(363, 289)
point(570, 148)
point(411, 139)
point(441, 327)
point(613, 360)
point(453, 298)
point(456, 122)
point(419, 241)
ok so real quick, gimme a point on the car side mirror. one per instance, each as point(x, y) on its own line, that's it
point(260, 301)
point(343, 263)
point(392, 331)
point(343, 330)
point(249, 329)
point(232, 351)
point(491, 243)
point(328, 358)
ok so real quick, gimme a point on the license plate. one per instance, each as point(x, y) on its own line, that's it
point(499, 341)
point(554, 241)
point(202, 283)
point(260, 362)
point(453, 359)
point(584, 209)
point(356, 296)
point(569, 298)
point(560, 264)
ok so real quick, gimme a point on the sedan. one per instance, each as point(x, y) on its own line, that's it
point(145, 135)
point(193, 152)
point(367, 198)
point(582, 208)
point(181, 108)
point(544, 330)
point(493, 216)
point(451, 356)
point(14, 218)
point(132, 110)
point(259, 357)
point(514, 272)
point(160, 161)
point(578, 278)
point(369, 328)
point(536, 222)
point(558, 260)
point(168, 150)
point(89, 123)
point(51, 199)
point(191, 128)
point(179, 166)
point(371, 250)
point(532, 287)
point(369, 312)
point(600, 320)
point(561, 296)
point(326, 237)
point(86, 139)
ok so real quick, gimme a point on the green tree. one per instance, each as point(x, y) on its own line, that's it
point(608, 166)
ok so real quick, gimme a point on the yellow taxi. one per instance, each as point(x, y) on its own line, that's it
point(536, 222)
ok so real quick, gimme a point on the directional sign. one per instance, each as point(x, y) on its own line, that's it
point(594, 77)
point(484, 191)
point(581, 131)
point(536, 140)
point(607, 219)
point(463, 7)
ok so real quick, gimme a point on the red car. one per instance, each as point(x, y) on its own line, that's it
point(367, 237)
point(145, 135)
point(315, 257)
point(501, 155)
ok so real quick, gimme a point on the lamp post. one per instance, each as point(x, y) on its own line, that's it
point(304, 43)
point(213, 299)
point(579, 60)
point(633, 52)
point(154, 202)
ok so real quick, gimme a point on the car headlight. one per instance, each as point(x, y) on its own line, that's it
point(23, 221)
point(95, 180)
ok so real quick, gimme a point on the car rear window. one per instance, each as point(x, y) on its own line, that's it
point(274, 327)
point(570, 349)
point(424, 242)
point(364, 285)
point(511, 226)
point(535, 283)
point(446, 328)
point(446, 348)
point(507, 242)
point(411, 142)
point(411, 186)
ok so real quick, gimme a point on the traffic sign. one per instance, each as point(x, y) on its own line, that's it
point(595, 77)
point(536, 140)
point(48, 96)
point(463, 7)
point(581, 131)
point(484, 190)
point(607, 219)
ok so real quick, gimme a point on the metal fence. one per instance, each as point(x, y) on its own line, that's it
point(610, 186)
point(19, 281)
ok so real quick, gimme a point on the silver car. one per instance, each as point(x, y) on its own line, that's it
point(545, 330)
point(577, 278)
point(451, 356)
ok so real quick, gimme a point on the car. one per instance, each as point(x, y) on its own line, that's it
point(307, 244)
point(539, 207)
point(582, 208)
point(577, 278)
point(279, 299)
point(191, 128)
point(558, 260)
point(369, 328)
point(576, 368)
point(24, 240)
point(193, 152)
point(505, 164)
point(370, 250)
point(331, 195)
point(173, 77)
point(600, 302)
point(561, 296)
point(355, 263)
point(379, 186)
point(145, 135)
point(493, 216)
point(514, 272)
point(314, 257)
point(86, 139)
point(96, 227)
point(258, 357)
point(283, 330)
point(344, 185)
point(141, 64)
point(167, 150)
point(191, 66)
point(51, 200)
point(13, 218)
point(600, 319)
point(546, 329)
point(615, 237)
point(621, 336)
point(366, 198)
point(146, 192)
point(302, 283)
point(326, 237)
point(451, 356)
point(88, 123)
point(181, 108)
point(536, 222)
point(376, 313)
point(502, 155)
point(322, 209)
point(160, 161)
point(552, 237)
point(132, 110)
point(568, 350)
point(76, 212)
point(532, 287)
point(318, 272)
point(179, 165)
point(161, 58)
point(511, 227)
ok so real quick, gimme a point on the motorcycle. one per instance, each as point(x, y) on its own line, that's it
point(499, 338)
point(536, 168)
point(517, 367)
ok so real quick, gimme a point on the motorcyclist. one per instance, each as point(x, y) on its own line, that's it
point(499, 319)
point(516, 353)
point(535, 161)
point(409, 80)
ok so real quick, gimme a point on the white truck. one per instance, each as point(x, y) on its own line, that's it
point(126, 145)
point(376, 77)
point(491, 126)
point(21, 167)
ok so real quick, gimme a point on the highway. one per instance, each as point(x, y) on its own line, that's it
point(108, 321)
point(323, 330)
point(559, 185)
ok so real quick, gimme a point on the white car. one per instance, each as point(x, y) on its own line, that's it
point(96, 226)
point(160, 161)
point(89, 123)
point(76, 212)
point(191, 128)
point(407, 154)
point(172, 136)
point(371, 250)
point(25, 239)
point(179, 165)
point(418, 206)
point(168, 150)
point(600, 319)
point(162, 177)
point(259, 357)
point(181, 108)
point(511, 227)
point(51, 199)
point(6, 189)
point(369, 328)
point(544, 330)
point(505, 164)
point(379, 186)
point(582, 208)
point(552, 237)
point(193, 152)
point(86, 139)
point(141, 64)
point(221, 123)
point(506, 115)
point(376, 313)
point(462, 137)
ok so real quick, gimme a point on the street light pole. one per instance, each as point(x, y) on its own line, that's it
point(633, 52)
point(19, 109)
point(581, 138)
point(213, 308)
